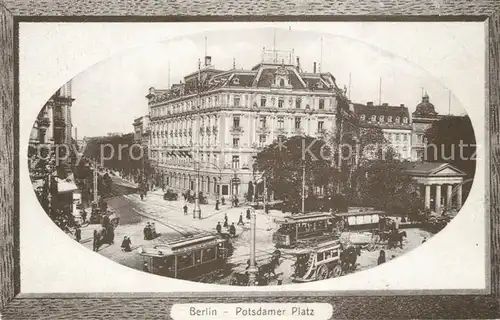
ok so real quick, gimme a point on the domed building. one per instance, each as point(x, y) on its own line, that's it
point(423, 117)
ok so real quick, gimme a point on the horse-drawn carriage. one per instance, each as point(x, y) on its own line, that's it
point(264, 274)
point(170, 195)
point(201, 198)
point(328, 260)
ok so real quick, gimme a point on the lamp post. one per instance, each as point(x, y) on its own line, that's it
point(197, 210)
point(303, 186)
point(252, 270)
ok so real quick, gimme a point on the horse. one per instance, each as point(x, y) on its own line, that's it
point(349, 256)
point(103, 236)
point(396, 237)
point(270, 267)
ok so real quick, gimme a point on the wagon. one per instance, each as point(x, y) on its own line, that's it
point(321, 262)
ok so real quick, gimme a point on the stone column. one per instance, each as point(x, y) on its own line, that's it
point(449, 196)
point(459, 197)
point(427, 196)
point(437, 201)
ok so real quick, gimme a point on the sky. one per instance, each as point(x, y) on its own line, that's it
point(111, 94)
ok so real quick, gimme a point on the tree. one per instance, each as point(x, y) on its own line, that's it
point(383, 185)
point(281, 163)
point(250, 192)
point(451, 139)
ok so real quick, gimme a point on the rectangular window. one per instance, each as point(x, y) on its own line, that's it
point(262, 122)
point(281, 102)
point(321, 104)
point(297, 123)
point(237, 101)
point(262, 140)
point(185, 261)
point(281, 123)
point(263, 101)
point(320, 125)
point(208, 254)
point(236, 142)
point(397, 136)
point(236, 162)
point(298, 102)
point(405, 137)
point(225, 190)
point(236, 122)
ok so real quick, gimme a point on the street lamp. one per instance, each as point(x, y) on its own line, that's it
point(197, 210)
point(303, 186)
point(252, 270)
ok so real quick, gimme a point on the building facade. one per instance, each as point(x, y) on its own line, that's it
point(422, 119)
point(211, 125)
point(394, 121)
point(53, 124)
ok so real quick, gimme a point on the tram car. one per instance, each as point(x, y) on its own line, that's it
point(321, 262)
point(303, 227)
point(360, 219)
point(197, 258)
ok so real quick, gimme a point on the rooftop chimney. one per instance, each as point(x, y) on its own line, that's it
point(314, 67)
point(385, 104)
point(208, 61)
point(402, 105)
point(369, 104)
point(298, 64)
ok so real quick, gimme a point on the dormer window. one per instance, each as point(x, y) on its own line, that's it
point(298, 103)
point(236, 80)
point(389, 119)
point(397, 119)
point(405, 120)
point(374, 118)
point(282, 82)
point(381, 119)
point(263, 101)
point(363, 117)
point(281, 77)
point(320, 84)
point(321, 104)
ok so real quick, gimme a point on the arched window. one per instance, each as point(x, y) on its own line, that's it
point(389, 119)
point(282, 82)
point(374, 118)
point(397, 119)
point(405, 120)
point(381, 119)
point(363, 117)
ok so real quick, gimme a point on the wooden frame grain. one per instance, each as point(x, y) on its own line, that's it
point(15, 305)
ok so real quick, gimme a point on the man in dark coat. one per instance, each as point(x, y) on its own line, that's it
point(248, 214)
point(218, 227)
point(185, 210)
point(217, 204)
point(232, 230)
point(83, 215)
point(241, 220)
point(78, 234)
point(126, 244)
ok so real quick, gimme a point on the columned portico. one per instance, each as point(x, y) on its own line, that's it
point(434, 176)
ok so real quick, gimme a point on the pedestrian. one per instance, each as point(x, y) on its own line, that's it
point(145, 267)
point(153, 231)
point(279, 279)
point(147, 231)
point(223, 201)
point(83, 215)
point(266, 209)
point(78, 234)
point(425, 239)
point(142, 196)
point(241, 220)
point(232, 230)
point(381, 257)
point(126, 244)
point(225, 221)
point(217, 204)
point(218, 227)
point(185, 209)
point(248, 214)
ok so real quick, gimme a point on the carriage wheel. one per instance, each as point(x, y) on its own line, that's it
point(336, 271)
point(322, 272)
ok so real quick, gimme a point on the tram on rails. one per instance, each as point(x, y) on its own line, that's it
point(197, 258)
point(303, 227)
point(359, 219)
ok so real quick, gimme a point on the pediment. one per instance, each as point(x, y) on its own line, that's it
point(448, 170)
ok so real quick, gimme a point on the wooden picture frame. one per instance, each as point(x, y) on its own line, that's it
point(15, 305)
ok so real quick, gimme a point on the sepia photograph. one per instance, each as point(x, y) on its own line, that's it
point(256, 157)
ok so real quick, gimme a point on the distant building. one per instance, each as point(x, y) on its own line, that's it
point(111, 134)
point(53, 124)
point(422, 119)
point(223, 118)
point(141, 130)
point(394, 121)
